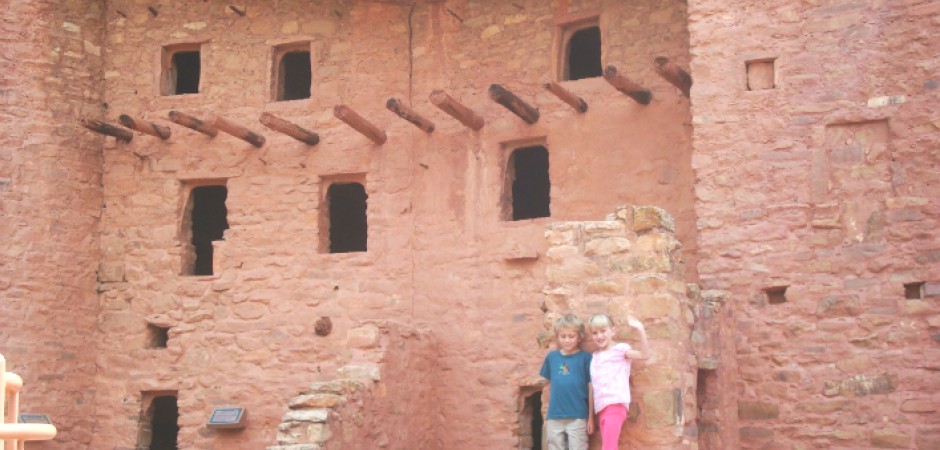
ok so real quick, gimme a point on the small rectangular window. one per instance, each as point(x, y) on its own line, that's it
point(528, 184)
point(182, 69)
point(760, 74)
point(157, 337)
point(913, 291)
point(293, 73)
point(579, 54)
point(204, 221)
point(776, 295)
point(345, 218)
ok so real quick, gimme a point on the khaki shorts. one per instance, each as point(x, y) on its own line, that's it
point(566, 434)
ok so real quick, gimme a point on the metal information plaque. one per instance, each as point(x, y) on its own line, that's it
point(35, 418)
point(227, 418)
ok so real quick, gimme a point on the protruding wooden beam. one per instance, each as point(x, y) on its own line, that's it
point(514, 104)
point(346, 114)
point(566, 96)
point(623, 84)
point(456, 110)
point(295, 131)
point(107, 129)
point(673, 74)
point(236, 130)
point(396, 106)
point(145, 127)
point(193, 123)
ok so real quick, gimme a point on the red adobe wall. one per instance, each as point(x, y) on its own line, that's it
point(50, 202)
point(826, 183)
point(439, 254)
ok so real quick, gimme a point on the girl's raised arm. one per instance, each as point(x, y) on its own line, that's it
point(644, 352)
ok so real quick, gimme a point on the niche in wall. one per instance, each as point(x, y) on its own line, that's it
point(181, 70)
point(293, 74)
point(343, 220)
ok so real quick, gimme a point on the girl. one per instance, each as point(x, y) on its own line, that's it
point(610, 376)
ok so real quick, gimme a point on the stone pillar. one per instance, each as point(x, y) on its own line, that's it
point(630, 264)
point(50, 192)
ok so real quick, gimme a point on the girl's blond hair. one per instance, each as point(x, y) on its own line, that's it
point(600, 321)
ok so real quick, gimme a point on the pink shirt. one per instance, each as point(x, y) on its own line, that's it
point(610, 377)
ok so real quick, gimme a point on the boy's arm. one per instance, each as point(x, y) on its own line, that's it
point(644, 352)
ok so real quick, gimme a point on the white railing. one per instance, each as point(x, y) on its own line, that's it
point(13, 435)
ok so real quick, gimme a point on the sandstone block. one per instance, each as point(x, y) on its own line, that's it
point(854, 364)
point(655, 306)
point(648, 284)
point(646, 218)
point(318, 415)
point(363, 337)
point(917, 308)
point(838, 305)
point(890, 438)
point(607, 246)
point(602, 228)
point(572, 271)
point(111, 272)
point(366, 372)
point(656, 244)
point(660, 408)
point(250, 310)
point(318, 433)
point(336, 386)
point(757, 433)
point(604, 288)
point(861, 385)
point(931, 289)
point(826, 407)
point(919, 405)
point(928, 438)
point(295, 447)
point(754, 410)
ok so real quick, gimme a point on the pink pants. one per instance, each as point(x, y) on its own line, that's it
point(609, 422)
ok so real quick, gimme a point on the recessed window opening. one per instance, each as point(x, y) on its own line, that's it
point(760, 74)
point(776, 295)
point(208, 223)
point(182, 68)
point(583, 54)
point(913, 291)
point(531, 422)
point(531, 186)
point(294, 76)
point(159, 428)
point(533, 409)
point(347, 217)
point(157, 337)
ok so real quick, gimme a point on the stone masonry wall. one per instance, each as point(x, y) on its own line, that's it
point(439, 254)
point(50, 204)
point(629, 265)
point(372, 402)
point(817, 172)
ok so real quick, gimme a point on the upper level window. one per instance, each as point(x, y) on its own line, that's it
point(293, 75)
point(204, 221)
point(582, 52)
point(344, 222)
point(182, 67)
point(528, 184)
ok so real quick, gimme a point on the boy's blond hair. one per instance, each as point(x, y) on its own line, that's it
point(600, 321)
point(569, 321)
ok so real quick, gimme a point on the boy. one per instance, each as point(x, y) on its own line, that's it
point(568, 371)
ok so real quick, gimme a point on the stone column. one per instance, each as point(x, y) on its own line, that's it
point(630, 264)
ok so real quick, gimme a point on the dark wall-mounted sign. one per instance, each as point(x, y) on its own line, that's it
point(35, 418)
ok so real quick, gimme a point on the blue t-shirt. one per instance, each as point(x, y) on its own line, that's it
point(569, 375)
